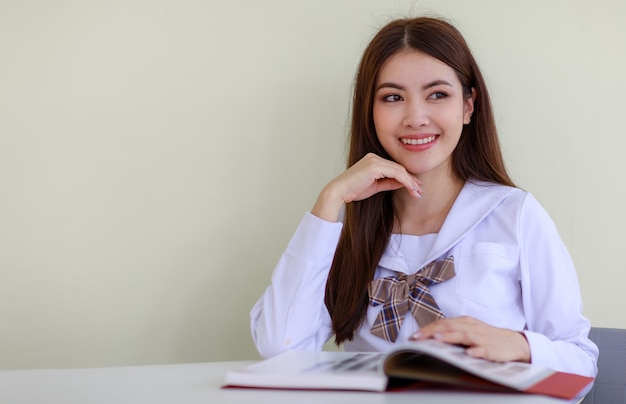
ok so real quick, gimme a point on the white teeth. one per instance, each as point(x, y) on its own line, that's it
point(418, 141)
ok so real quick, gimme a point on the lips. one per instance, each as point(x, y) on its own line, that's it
point(418, 141)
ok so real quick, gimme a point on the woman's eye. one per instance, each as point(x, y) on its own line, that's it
point(392, 98)
point(439, 95)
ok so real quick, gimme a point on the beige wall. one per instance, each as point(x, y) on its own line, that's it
point(155, 156)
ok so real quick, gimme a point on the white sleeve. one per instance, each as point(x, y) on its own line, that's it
point(291, 314)
point(557, 331)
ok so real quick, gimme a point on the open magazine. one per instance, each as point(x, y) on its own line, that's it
point(412, 365)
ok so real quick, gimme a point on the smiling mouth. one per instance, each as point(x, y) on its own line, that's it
point(418, 141)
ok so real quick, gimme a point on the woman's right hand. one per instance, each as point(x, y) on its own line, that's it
point(370, 175)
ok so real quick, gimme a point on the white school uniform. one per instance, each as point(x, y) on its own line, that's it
point(512, 271)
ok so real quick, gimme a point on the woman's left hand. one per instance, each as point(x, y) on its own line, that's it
point(482, 340)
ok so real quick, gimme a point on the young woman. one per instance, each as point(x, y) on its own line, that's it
point(425, 235)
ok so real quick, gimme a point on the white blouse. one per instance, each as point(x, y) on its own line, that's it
point(512, 271)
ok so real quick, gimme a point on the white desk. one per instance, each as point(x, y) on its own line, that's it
point(200, 383)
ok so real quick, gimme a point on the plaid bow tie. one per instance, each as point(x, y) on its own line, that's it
point(403, 292)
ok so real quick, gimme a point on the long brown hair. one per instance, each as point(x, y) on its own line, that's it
point(368, 223)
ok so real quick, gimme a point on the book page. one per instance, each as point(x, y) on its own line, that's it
point(314, 370)
point(516, 375)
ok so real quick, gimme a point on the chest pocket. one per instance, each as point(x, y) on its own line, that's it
point(488, 274)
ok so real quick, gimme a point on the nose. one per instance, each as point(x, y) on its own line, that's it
point(415, 114)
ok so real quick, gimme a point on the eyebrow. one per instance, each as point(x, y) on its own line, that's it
point(424, 87)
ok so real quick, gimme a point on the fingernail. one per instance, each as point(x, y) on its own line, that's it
point(416, 335)
point(438, 336)
point(419, 195)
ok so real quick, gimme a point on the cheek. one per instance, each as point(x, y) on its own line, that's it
point(454, 121)
point(383, 120)
point(379, 123)
point(376, 116)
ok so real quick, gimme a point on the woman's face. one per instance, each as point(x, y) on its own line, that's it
point(419, 111)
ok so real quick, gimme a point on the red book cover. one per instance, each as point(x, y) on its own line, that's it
point(561, 384)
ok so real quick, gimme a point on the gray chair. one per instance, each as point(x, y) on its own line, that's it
point(610, 385)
